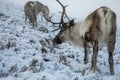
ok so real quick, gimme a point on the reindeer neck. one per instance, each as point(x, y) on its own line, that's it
point(75, 36)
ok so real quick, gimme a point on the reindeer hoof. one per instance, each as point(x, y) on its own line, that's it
point(93, 69)
point(85, 62)
point(112, 73)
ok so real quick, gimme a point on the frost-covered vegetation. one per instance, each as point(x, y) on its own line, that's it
point(27, 53)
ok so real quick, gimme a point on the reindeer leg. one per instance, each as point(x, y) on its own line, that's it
point(32, 21)
point(36, 20)
point(94, 57)
point(110, 47)
point(25, 18)
point(111, 63)
point(86, 57)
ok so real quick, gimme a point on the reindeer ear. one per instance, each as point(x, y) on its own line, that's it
point(72, 22)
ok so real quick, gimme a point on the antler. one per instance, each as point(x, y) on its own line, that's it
point(66, 16)
point(50, 20)
point(63, 13)
point(62, 16)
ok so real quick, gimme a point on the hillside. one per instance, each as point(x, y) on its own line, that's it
point(27, 53)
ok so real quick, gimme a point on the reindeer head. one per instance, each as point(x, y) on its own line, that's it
point(64, 33)
point(63, 26)
point(46, 11)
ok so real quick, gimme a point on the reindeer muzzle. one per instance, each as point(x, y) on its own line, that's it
point(57, 40)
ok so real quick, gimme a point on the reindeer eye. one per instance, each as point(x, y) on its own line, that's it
point(64, 28)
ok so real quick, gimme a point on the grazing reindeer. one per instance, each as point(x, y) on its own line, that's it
point(97, 30)
point(33, 8)
point(29, 12)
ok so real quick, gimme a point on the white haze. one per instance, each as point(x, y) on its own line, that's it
point(78, 9)
point(30, 55)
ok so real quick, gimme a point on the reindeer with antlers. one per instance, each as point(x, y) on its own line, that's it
point(32, 9)
point(97, 30)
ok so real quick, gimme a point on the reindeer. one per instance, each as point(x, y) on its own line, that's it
point(32, 9)
point(98, 29)
point(29, 12)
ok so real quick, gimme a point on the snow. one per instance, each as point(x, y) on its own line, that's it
point(27, 53)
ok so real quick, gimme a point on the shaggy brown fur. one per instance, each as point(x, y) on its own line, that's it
point(97, 30)
point(32, 9)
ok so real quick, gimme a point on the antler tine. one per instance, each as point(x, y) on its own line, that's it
point(63, 10)
point(63, 13)
point(67, 17)
point(55, 29)
point(62, 16)
point(51, 21)
point(60, 3)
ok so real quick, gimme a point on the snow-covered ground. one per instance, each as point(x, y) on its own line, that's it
point(28, 54)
